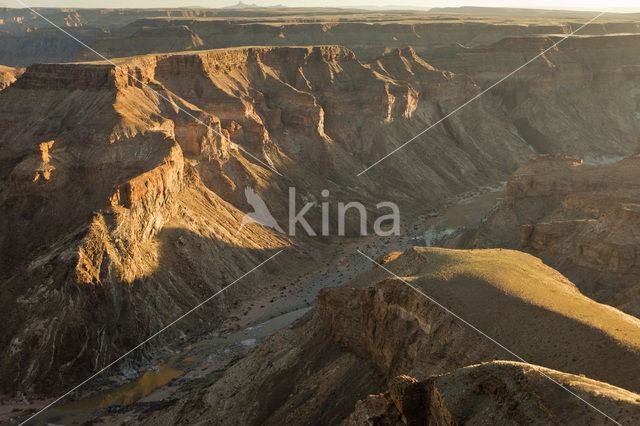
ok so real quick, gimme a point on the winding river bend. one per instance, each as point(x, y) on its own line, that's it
point(163, 380)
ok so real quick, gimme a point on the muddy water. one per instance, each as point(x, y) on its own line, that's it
point(143, 387)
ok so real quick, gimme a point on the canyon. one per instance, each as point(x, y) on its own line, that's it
point(125, 185)
point(318, 370)
point(154, 177)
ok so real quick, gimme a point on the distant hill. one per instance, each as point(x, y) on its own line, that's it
point(241, 5)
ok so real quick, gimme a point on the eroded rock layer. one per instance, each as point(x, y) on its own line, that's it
point(498, 392)
point(8, 75)
point(123, 186)
point(388, 330)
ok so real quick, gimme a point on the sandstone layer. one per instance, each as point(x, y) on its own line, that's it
point(27, 38)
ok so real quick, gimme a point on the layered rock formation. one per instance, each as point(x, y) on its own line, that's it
point(374, 329)
point(498, 392)
point(27, 38)
point(578, 95)
point(548, 104)
point(8, 75)
point(369, 35)
point(123, 189)
point(123, 186)
point(581, 219)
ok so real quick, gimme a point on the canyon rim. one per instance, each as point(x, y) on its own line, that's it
point(258, 215)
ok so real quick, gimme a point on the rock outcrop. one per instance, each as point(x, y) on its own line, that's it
point(8, 75)
point(546, 105)
point(498, 392)
point(581, 219)
point(27, 38)
point(403, 342)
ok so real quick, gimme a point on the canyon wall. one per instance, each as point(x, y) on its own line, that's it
point(580, 93)
point(117, 181)
point(376, 333)
point(27, 38)
point(115, 194)
point(8, 75)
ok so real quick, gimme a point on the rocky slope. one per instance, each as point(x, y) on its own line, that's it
point(581, 219)
point(579, 94)
point(374, 329)
point(115, 195)
point(549, 104)
point(498, 392)
point(8, 75)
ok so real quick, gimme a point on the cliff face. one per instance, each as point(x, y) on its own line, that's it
point(579, 218)
point(402, 342)
point(551, 101)
point(548, 104)
point(8, 75)
point(105, 222)
point(26, 38)
point(113, 197)
point(498, 392)
point(369, 34)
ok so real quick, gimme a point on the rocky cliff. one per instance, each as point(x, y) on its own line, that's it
point(28, 39)
point(8, 75)
point(368, 34)
point(579, 218)
point(498, 392)
point(116, 195)
point(579, 94)
point(547, 103)
point(374, 329)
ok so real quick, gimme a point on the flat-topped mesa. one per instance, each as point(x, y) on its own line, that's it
point(89, 75)
point(224, 61)
point(141, 69)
